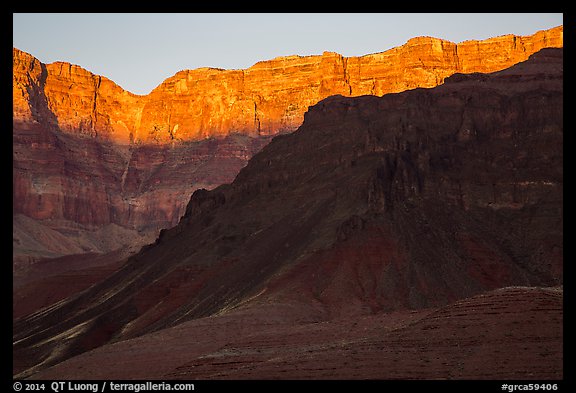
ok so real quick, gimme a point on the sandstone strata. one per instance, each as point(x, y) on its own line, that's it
point(88, 195)
point(267, 98)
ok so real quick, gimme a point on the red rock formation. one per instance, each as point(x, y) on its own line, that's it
point(95, 193)
point(375, 204)
point(65, 96)
point(77, 186)
point(267, 98)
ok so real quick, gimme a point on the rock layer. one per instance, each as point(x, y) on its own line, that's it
point(99, 196)
point(267, 98)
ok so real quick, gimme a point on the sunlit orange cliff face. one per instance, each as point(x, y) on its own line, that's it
point(268, 98)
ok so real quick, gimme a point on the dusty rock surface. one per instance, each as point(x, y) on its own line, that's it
point(510, 333)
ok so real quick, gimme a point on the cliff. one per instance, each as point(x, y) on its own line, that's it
point(268, 98)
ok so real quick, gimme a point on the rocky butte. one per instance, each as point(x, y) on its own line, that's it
point(410, 235)
point(97, 168)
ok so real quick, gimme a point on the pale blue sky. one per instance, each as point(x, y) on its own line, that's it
point(138, 51)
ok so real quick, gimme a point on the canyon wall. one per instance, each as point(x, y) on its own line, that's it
point(75, 194)
point(90, 156)
point(268, 98)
